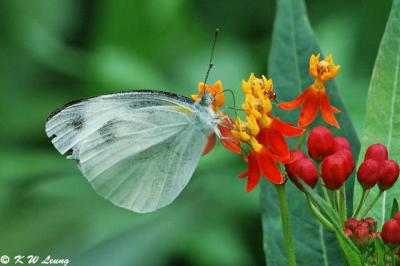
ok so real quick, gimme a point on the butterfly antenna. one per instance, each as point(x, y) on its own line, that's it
point(210, 63)
point(234, 101)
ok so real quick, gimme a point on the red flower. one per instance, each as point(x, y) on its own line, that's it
point(273, 135)
point(315, 97)
point(261, 163)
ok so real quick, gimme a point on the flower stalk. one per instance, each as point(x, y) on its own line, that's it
point(364, 196)
point(341, 197)
point(287, 232)
point(372, 204)
point(321, 218)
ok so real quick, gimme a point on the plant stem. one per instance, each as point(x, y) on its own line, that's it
point(371, 205)
point(333, 201)
point(321, 218)
point(341, 197)
point(364, 196)
point(287, 232)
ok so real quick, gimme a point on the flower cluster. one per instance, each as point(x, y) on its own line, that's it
point(334, 153)
point(377, 168)
point(361, 232)
point(261, 138)
point(263, 133)
point(315, 97)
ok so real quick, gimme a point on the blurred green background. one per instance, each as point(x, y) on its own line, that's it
point(52, 52)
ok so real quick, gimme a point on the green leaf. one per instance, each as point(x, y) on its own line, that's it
point(293, 42)
point(382, 119)
point(380, 251)
point(395, 207)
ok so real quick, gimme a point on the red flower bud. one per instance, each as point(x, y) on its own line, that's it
point(372, 224)
point(367, 173)
point(295, 156)
point(351, 224)
point(341, 143)
point(306, 171)
point(388, 174)
point(335, 171)
point(362, 235)
point(377, 152)
point(391, 232)
point(348, 160)
point(397, 216)
point(348, 232)
point(320, 142)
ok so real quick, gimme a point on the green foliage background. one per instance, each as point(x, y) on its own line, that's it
point(52, 52)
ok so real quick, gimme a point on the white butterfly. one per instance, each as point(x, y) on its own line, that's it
point(137, 149)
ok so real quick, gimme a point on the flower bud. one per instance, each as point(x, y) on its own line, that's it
point(362, 235)
point(367, 173)
point(348, 232)
point(320, 142)
point(340, 143)
point(306, 171)
point(351, 224)
point(377, 152)
point(391, 232)
point(372, 224)
point(334, 171)
point(348, 160)
point(295, 156)
point(397, 216)
point(388, 174)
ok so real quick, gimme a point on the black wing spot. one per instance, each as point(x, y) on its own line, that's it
point(106, 131)
point(77, 123)
point(53, 136)
point(69, 152)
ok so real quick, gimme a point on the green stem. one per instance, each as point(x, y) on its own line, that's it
point(364, 196)
point(341, 197)
point(287, 232)
point(321, 218)
point(333, 201)
point(301, 140)
point(371, 205)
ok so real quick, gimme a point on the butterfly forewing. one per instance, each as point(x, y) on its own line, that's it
point(137, 149)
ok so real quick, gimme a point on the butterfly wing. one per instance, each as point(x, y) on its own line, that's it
point(137, 149)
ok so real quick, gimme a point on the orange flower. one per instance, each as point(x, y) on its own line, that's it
point(315, 97)
point(272, 130)
point(215, 90)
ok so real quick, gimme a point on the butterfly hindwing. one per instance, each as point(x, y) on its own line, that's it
point(138, 150)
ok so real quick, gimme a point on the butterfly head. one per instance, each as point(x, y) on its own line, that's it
point(210, 95)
